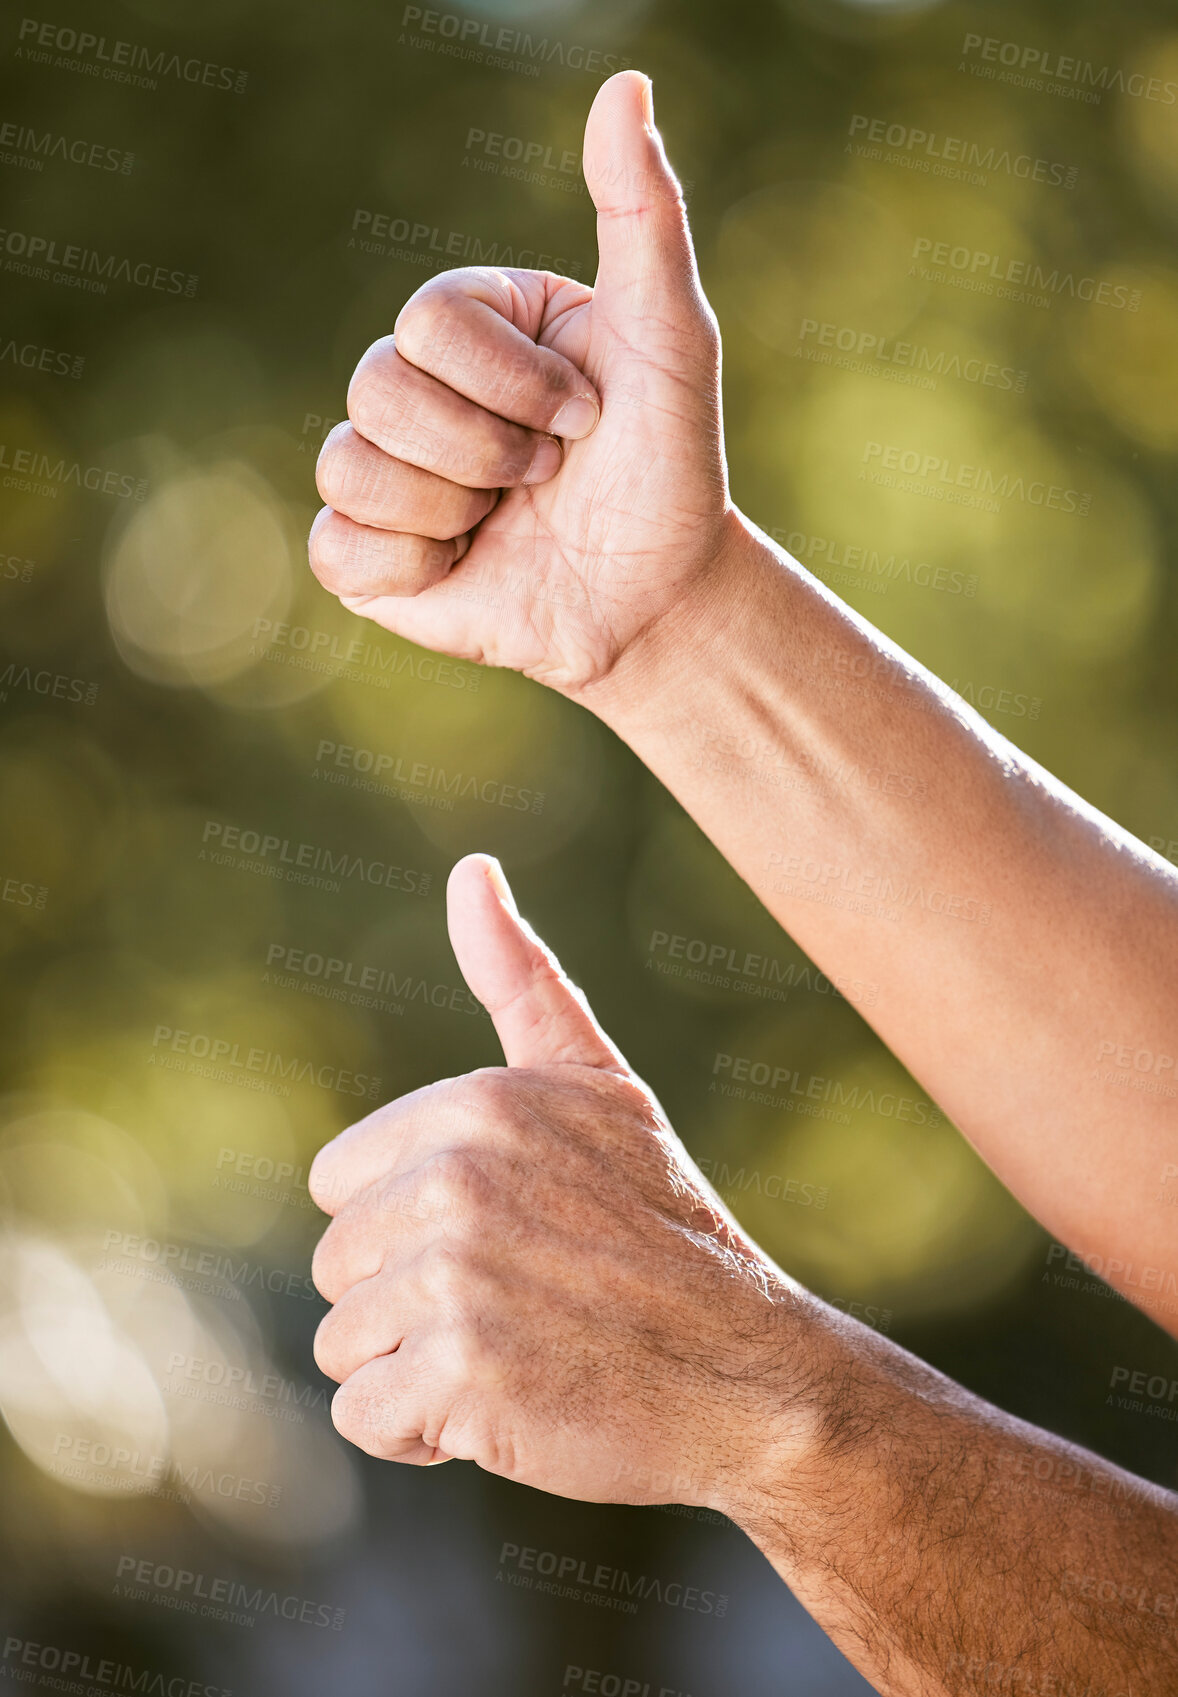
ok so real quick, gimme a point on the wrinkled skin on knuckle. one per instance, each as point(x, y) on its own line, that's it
point(324, 1348)
point(455, 1279)
point(326, 1264)
point(454, 1187)
point(485, 1101)
point(356, 1416)
point(329, 467)
point(336, 551)
point(469, 1355)
point(370, 367)
point(425, 326)
point(381, 402)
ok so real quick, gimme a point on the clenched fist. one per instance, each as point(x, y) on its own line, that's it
point(533, 472)
point(529, 1271)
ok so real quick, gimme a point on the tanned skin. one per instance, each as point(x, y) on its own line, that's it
point(527, 1269)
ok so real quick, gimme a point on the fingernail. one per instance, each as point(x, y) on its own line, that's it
point(576, 418)
point(498, 882)
point(546, 461)
point(648, 102)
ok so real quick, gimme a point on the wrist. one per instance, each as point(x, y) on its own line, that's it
point(645, 683)
point(796, 1462)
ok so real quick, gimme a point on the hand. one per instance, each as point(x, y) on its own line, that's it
point(529, 1271)
point(457, 518)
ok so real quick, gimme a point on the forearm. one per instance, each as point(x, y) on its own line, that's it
point(1021, 943)
point(948, 1548)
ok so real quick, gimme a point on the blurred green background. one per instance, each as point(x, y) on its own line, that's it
point(176, 1045)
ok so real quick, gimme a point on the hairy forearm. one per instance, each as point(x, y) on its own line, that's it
point(948, 1548)
point(1024, 947)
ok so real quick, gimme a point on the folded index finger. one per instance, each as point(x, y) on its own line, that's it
point(394, 1138)
point(475, 330)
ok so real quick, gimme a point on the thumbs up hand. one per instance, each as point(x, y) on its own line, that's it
point(529, 1271)
point(533, 472)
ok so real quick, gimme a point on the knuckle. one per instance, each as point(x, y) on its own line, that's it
point(324, 1348)
point(336, 460)
point(343, 552)
point(450, 1273)
point(486, 1090)
point(468, 1354)
point(425, 323)
point(325, 1265)
point(371, 367)
point(324, 546)
point(348, 1414)
point(322, 1186)
point(457, 1184)
point(376, 394)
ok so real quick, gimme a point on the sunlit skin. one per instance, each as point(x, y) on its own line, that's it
point(527, 1270)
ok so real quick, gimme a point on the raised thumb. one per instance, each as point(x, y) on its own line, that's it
point(541, 1019)
point(645, 260)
